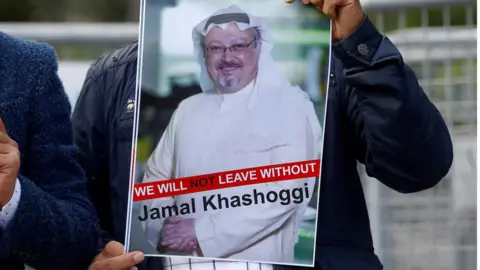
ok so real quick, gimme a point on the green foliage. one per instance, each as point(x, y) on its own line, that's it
point(144, 149)
point(18, 10)
point(32, 10)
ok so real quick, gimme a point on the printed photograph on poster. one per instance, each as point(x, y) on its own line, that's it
point(228, 133)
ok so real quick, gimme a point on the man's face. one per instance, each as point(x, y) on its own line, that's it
point(231, 57)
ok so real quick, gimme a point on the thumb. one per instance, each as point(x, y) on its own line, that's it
point(113, 249)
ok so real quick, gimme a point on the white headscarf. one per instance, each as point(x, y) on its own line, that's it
point(269, 79)
point(270, 85)
point(265, 62)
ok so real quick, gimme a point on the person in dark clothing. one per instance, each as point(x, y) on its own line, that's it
point(46, 218)
point(377, 114)
point(103, 125)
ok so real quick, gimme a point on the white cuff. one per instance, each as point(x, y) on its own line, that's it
point(8, 211)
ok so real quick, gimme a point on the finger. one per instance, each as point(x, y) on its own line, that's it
point(2, 126)
point(7, 149)
point(170, 241)
point(318, 4)
point(9, 161)
point(114, 249)
point(168, 232)
point(175, 246)
point(173, 220)
point(188, 246)
point(289, 1)
point(174, 234)
point(329, 9)
point(169, 226)
point(184, 247)
point(306, 2)
point(124, 261)
point(185, 244)
point(4, 139)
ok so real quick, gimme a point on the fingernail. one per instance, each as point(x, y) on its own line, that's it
point(138, 257)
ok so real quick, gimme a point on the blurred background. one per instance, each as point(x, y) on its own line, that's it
point(434, 229)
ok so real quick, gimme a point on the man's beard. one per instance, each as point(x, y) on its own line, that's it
point(228, 83)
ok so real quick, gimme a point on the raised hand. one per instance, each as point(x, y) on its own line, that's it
point(9, 165)
point(113, 257)
point(346, 15)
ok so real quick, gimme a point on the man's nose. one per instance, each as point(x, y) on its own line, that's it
point(227, 54)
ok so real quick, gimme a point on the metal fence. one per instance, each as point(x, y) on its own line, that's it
point(76, 41)
point(430, 230)
point(434, 229)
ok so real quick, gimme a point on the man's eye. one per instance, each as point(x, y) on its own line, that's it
point(238, 46)
point(215, 49)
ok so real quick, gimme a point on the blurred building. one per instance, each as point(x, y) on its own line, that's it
point(434, 229)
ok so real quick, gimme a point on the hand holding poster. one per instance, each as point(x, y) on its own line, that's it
point(235, 170)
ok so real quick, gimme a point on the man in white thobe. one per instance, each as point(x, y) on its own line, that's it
point(248, 115)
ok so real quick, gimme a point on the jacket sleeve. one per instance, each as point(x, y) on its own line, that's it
point(90, 137)
point(400, 135)
point(55, 224)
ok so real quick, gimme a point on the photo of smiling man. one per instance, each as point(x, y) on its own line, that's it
point(247, 115)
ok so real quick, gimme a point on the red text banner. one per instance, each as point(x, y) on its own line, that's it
point(227, 179)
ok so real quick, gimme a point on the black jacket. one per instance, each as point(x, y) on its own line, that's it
point(376, 114)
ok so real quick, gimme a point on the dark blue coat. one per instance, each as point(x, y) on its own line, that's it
point(376, 114)
point(55, 225)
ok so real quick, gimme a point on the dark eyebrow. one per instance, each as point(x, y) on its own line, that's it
point(227, 18)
